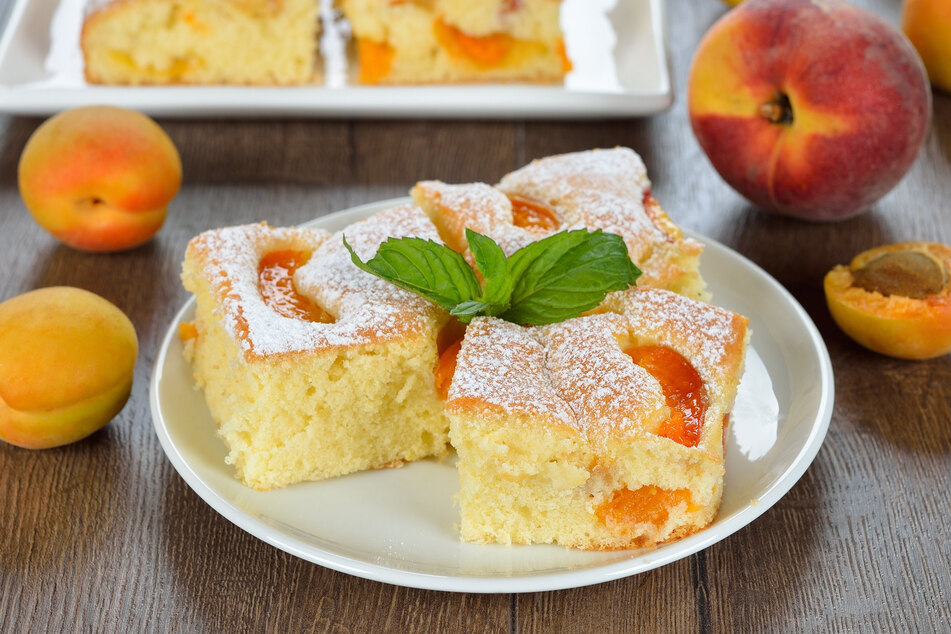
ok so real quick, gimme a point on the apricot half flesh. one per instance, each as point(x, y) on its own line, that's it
point(66, 363)
point(895, 299)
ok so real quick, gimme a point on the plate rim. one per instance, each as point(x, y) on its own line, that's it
point(402, 102)
point(529, 582)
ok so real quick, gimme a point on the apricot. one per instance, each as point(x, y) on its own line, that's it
point(812, 109)
point(895, 299)
point(66, 363)
point(927, 23)
point(99, 178)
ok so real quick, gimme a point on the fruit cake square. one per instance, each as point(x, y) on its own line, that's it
point(596, 189)
point(260, 42)
point(432, 41)
point(310, 367)
point(600, 432)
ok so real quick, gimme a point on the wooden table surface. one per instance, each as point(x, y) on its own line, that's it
point(104, 535)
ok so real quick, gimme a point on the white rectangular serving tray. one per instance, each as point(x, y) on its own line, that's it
point(617, 47)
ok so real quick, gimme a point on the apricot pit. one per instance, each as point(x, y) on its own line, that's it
point(914, 274)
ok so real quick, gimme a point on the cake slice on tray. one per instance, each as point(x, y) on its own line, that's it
point(453, 41)
point(254, 42)
point(310, 367)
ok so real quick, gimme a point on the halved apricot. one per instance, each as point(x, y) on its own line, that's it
point(895, 299)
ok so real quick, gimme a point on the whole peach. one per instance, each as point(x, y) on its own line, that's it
point(66, 363)
point(927, 23)
point(810, 108)
point(99, 178)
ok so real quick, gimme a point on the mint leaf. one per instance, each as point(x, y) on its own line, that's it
point(497, 282)
point(545, 282)
point(467, 310)
point(427, 268)
point(566, 274)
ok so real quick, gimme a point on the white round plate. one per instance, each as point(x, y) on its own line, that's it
point(397, 525)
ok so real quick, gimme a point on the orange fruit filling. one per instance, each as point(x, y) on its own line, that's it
point(451, 229)
point(646, 504)
point(566, 64)
point(276, 284)
point(487, 51)
point(683, 391)
point(531, 214)
point(726, 426)
point(376, 60)
point(447, 345)
point(661, 220)
point(446, 368)
point(187, 330)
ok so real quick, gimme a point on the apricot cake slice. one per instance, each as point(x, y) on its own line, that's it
point(452, 41)
point(310, 367)
point(596, 189)
point(599, 432)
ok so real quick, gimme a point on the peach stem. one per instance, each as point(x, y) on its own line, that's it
point(779, 110)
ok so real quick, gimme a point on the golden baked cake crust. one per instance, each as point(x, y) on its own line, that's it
point(596, 189)
point(560, 433)
point(298, 400)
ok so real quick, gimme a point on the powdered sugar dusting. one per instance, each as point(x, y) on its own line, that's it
point(228, 259)
point(476, 206)
point(366, 309)
point(501, 368)
point(576, 371)
point(618, 171)
point(598, 189)
point(710, 337)
point(601, 384)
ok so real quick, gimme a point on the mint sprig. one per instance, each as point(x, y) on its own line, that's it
point(548, 281)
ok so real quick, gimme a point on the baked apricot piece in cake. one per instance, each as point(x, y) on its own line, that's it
point(599, 432)
point(453, 41)
point(596, 189)
point(310, 367)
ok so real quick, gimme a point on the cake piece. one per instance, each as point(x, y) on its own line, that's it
point(596, 189)
point(310, 367)
point(260, 42)
point(601, 432)
point(452, 41)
